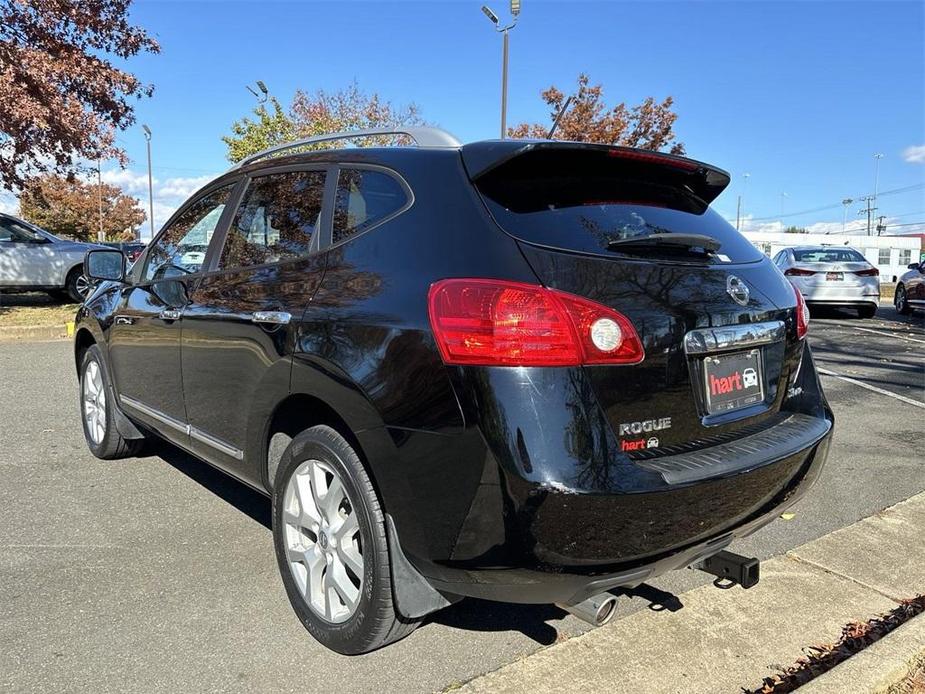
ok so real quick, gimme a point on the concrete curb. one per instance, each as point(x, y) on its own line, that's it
point(19, 333)
point(731, 640)
point(878, 666)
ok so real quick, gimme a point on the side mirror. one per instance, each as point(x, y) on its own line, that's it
point(913, 266)
point(105, 264)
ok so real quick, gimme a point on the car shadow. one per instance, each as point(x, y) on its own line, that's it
point(30, 299)
point(470, 614)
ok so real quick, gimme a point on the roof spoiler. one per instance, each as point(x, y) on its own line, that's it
point(484, 158)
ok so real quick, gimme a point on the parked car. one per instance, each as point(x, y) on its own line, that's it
point(131, 249)
point(910, 290)
point(32, 259)
point(532, 372)
point(832, 276)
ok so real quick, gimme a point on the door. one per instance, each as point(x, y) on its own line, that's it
point(26, 258)
point(238, 327)
point(144, 339)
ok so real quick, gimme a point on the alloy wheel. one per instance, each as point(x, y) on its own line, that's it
point(94, 402)
point(900, 299)
point(83, 285)
point(323, 543)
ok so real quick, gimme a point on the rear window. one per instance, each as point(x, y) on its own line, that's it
point(582, 201)
point(827, 255)
point(364, 198)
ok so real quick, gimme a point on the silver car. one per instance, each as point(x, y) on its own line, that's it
point(32, 259)
point(832, 276)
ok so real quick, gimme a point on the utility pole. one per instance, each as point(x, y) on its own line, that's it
point(877, 157)
point(738, 211)
point(99, 188)
point(869, 199)
point(881, 227)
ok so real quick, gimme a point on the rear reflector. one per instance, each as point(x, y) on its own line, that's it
point(501, 323)
point(869, 272)
point(797, 272)
point(802, 315)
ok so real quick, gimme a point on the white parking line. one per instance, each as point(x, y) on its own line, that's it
point(875, 389)
point(884, 333)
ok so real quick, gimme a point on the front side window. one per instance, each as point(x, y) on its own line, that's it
point(277, 219)
point(364, 198)
point(181, 248)
point(13, 232)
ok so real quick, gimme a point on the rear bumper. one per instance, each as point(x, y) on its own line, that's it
point(867, 293)
point(634, 523)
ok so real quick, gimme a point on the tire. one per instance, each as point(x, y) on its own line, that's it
point(103, 438)
point(345, 611)
point(901, 302)
point(77, 287)
point(867, 311)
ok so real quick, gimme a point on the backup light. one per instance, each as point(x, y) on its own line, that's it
point(606, 334)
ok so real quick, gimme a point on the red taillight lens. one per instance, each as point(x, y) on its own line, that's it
point(797, 272)
point(501, 323)
point(869, 272)
point(802, 315)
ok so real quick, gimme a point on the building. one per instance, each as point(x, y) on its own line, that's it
point(889, 254)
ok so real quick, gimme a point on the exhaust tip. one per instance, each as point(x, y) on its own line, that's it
point(596, 610)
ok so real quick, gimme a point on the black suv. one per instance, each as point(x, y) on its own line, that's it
point(526, 371)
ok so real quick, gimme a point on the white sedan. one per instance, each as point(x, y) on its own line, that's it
point(832, 276)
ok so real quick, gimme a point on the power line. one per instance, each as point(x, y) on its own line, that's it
point(895, 191)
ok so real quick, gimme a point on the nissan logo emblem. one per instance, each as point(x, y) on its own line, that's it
point(738, 290)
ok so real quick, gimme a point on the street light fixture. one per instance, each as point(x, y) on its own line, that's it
point(264, 92)
point(493, 18)
point(844, 223)
point(150, 181)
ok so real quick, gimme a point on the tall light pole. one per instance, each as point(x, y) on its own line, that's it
point(150, 182)
point(844, 222)
point(877, 157)
point(493, 18)
point(100, 236)
point(783, 196)
point(740, 209)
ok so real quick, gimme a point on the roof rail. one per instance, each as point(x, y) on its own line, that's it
point(422, 136)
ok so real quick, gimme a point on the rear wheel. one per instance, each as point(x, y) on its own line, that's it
point(330, 540)
point(867, 311)
point(901, 302)
point(96, 411)
point(78, 286)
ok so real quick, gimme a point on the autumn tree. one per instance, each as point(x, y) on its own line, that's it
point(71, 207)
point(649, 125)
point(317, 114)
point(61, 97)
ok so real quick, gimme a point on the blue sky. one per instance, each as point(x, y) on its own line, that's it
point(798, 94)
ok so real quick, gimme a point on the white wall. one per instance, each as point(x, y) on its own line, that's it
point(902, 250)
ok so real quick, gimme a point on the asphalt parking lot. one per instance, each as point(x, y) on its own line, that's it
point(158, 574)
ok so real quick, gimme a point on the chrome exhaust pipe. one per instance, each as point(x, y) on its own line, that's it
point(596, 610)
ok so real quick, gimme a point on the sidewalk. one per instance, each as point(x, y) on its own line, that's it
point(729, 640)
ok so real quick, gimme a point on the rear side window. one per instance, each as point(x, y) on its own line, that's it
point(364, 198)
point(829, 255)
point(277, 219)
point(582, 201)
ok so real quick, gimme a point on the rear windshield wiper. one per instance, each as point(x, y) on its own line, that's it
point(694, 243)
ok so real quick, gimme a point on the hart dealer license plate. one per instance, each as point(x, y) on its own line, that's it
point(733, 381)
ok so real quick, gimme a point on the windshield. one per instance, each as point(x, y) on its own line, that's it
point(827, 255)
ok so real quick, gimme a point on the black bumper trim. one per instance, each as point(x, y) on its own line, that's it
point(796, 433)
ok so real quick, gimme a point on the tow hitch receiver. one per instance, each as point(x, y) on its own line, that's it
point(732, 567)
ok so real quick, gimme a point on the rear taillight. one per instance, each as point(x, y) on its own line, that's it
point(869, 272)
point(802, 315)
point(501, 323)
point(798, 272)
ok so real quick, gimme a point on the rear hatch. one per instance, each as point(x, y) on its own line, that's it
point(626, 229)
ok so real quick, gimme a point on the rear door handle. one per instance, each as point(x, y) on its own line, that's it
point(170, 314)
point(271, 317)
